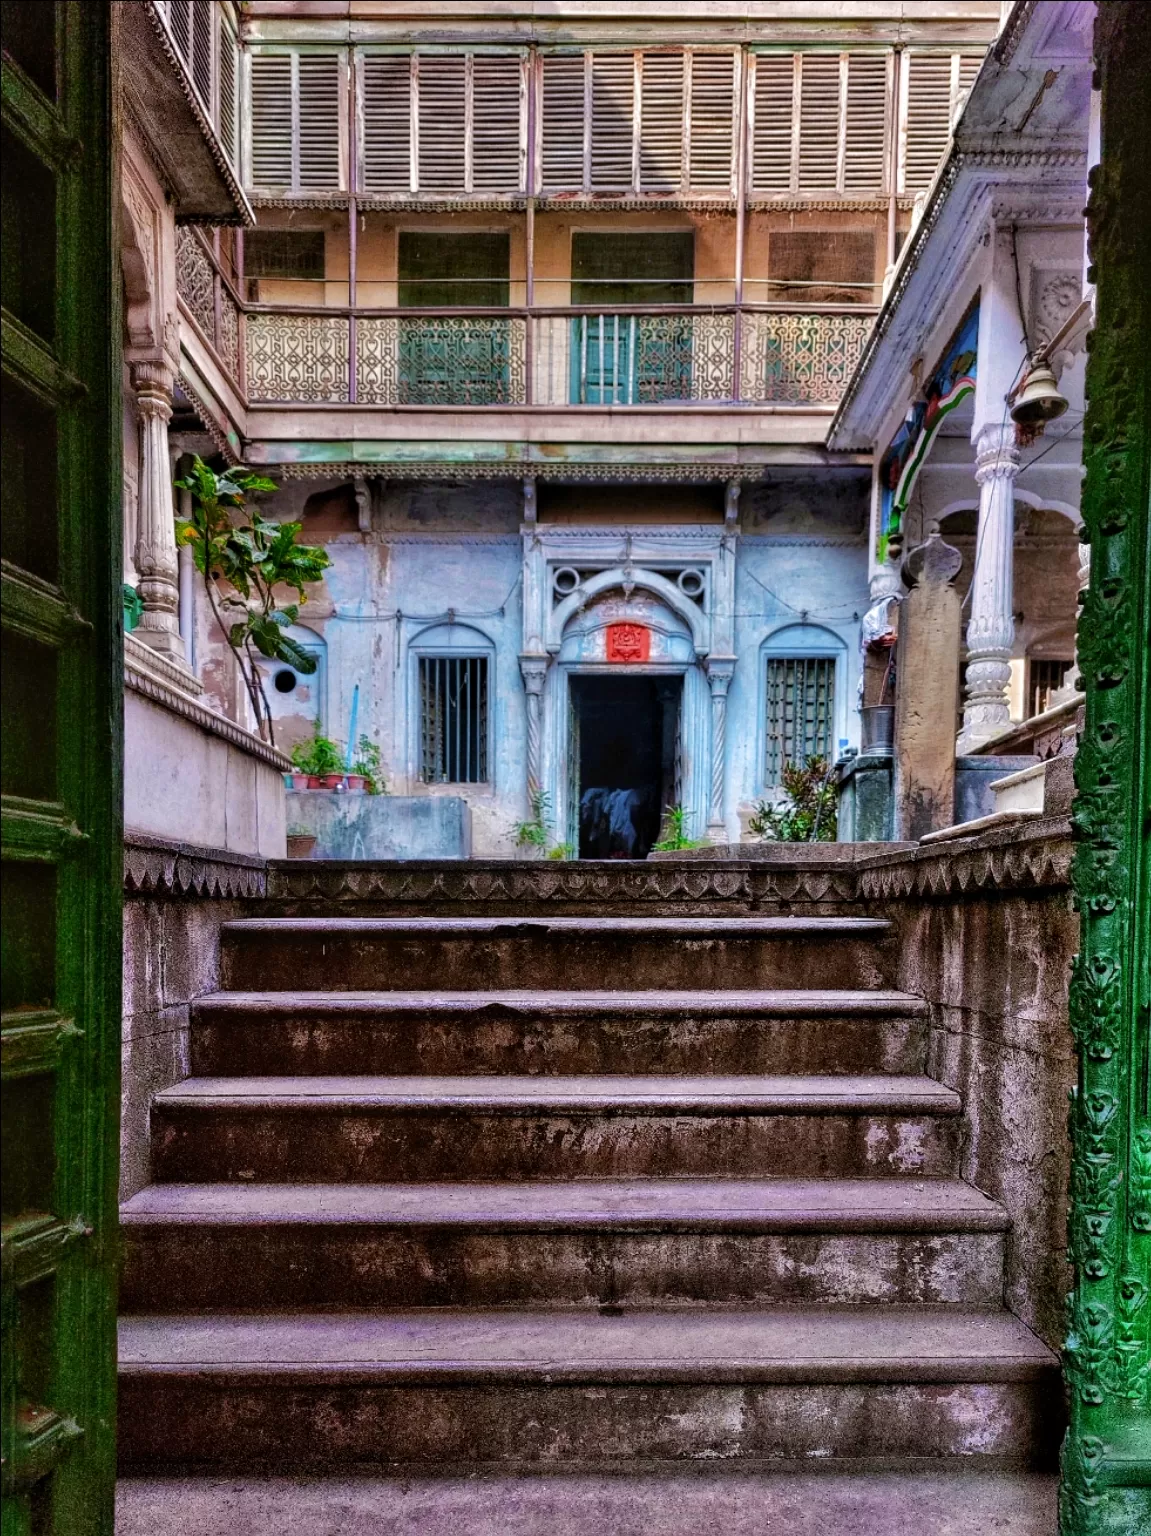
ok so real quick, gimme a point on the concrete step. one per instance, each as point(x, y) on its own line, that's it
point(946, 1499)
point(524, 1032)
point(411, 1129)
point(597, 1242)
point(433, 1387)
point(482, 954)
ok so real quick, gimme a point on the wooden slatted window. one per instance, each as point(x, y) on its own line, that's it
point(441, 93)
point(773, 124)
point(661, 121)
point(180, 26)
point(563, 122)
point(386, 122)
point(612, 121)
point(442, 123)
point(800, 712)
point(296, 117)
point(497, 116)
point(229, 83)
point(866, 124)
point(713, 121)
point(203, 33)
point(820, 123)
point(201, 60)
point(935, 86)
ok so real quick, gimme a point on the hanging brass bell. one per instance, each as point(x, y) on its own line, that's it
point(1039, 401)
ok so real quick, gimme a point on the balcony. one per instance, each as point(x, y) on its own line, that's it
point(684, 355)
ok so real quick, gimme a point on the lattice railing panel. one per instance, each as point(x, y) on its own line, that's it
point(195, 280)
point(448, 360)
point(228, 337)
point(300, 358)
point(800, 359)
point(713, 357)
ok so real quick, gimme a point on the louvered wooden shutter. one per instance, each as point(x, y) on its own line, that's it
point(497, 122)
point(612, 120)
point(319, 121)
point(562, 122)
point(442, 121)
point(296, 121)
point(202, 18)
point(661, 121)
point(712, 128)
point(180, 26)
point(866, 124)
point(772, 135)
point(272, 120)
point(228, 119)
point(934, 90)
point(386, 116)
point(819, 135)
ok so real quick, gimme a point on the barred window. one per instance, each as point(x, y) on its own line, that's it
point(1044, 677)
point(453, 719)
point(800, 711)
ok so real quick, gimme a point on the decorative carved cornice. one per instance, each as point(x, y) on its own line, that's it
point(156, 867)
point(212, 427)
point(1000, 861)
point(633, 473)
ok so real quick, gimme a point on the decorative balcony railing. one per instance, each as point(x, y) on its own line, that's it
point(208, 297)
point(679, 355)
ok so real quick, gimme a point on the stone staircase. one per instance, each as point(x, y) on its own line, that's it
point(553, 1191)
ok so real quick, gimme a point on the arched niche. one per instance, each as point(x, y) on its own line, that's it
point(629, 582)
point(584, 639)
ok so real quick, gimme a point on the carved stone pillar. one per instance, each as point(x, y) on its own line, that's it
point(991, 627)
point(719, 675)
point(534, 670)
point(157, 569)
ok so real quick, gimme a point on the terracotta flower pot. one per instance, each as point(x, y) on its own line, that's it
point(298, 780)
point(331, 780)
point(301, 845)
point(356, 783)
point(314, 781)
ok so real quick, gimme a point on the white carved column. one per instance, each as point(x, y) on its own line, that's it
point(534, 670)
point(719, 675)
point(155, 555)
point(991, 627)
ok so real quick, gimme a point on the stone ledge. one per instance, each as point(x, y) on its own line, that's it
point(156, 867)
point(1028, 856)
point(150, 685)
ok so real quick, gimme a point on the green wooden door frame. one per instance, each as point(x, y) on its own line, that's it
point(1107, 1452)
point(61, 830)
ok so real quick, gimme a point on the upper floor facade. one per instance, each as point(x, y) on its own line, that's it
point(523, 228)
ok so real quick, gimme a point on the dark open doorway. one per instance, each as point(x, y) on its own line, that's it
point(627, 729)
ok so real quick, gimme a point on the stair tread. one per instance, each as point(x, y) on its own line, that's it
point(781, 1001)
point(813, 1343)
point(426, 926)
point(892, 1093)
point(855, 1205)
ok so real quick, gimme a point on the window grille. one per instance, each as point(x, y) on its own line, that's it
point(453, 719)
point(284, 253)
point(1044, 677)
point(800, 712)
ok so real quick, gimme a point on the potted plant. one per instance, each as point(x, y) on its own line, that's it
point(809, 813)
point(321, 759)
point(301, 843)
point(366, 772)
point(296, 780)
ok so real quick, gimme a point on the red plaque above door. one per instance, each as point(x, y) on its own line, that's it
point(628, 642)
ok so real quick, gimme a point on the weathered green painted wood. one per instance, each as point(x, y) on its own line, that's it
point(1107, 1453)
point(60, 833)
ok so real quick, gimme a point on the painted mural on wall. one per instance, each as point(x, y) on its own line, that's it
point(952, 380)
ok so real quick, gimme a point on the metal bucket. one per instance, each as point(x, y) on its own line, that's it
point(878, 728)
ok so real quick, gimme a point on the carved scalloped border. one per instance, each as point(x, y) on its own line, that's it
point(1044, 863)
point(153, 867)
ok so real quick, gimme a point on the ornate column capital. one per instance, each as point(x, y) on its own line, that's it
point(720, 670)
point(534, 671)
point(153, 381)
point(996, 453)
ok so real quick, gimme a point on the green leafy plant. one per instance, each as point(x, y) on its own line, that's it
point(808, 814)
point(369, 767)
point(561, 851)
point(319, 755)
point(244, 558)
point(534, 832)
point(674, 834)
